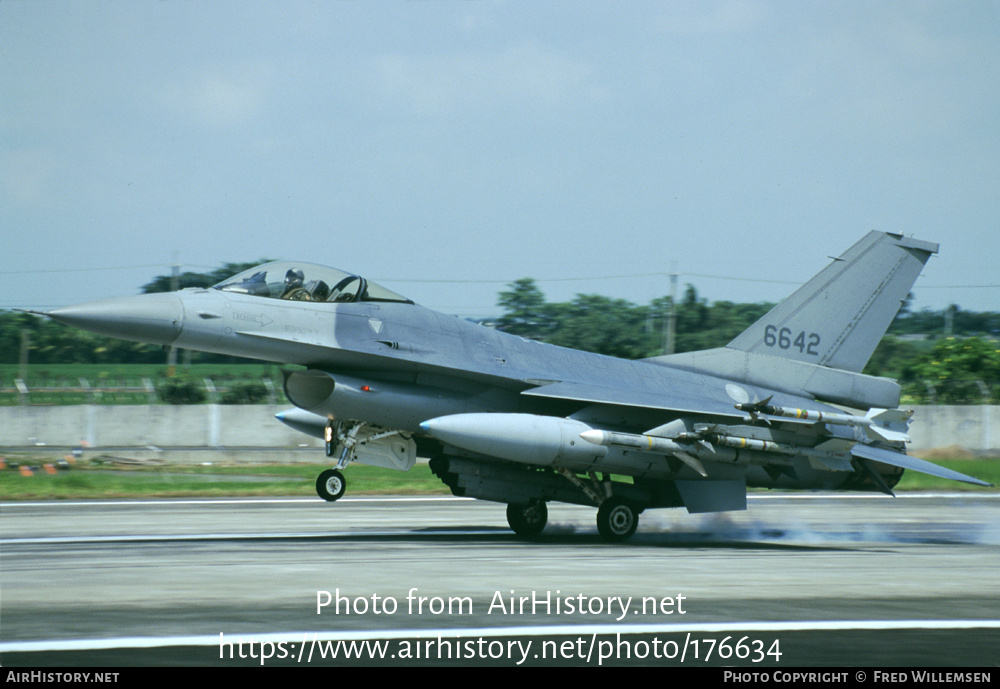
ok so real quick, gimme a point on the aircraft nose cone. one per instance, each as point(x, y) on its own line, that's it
point(152, 318)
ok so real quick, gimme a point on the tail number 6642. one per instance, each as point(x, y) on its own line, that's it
point(782, 338)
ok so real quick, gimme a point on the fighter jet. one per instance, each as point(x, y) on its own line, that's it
point(524, 423)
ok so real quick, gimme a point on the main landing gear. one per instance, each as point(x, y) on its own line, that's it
point(528, 520)
point(617, 517)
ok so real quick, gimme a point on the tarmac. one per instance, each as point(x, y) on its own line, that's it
point(797, 580)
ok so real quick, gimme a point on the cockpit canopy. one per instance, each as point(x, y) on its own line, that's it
point(307, 282)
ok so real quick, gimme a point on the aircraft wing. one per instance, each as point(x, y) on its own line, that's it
point(382, 355)
point(599, 394)
point(596, 394)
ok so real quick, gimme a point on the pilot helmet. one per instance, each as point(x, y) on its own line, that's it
point(294, 277)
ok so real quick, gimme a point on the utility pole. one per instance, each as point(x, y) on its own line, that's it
point(22, 369)
point(671, 326)
point(175, 284)
point(949, 319)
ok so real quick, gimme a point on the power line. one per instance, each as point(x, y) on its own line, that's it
point(589, 278)
point(80, 270)
point(457, 281)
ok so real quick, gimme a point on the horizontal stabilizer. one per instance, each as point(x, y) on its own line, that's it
point(897, 459)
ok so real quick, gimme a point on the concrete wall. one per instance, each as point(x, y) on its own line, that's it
point(975, 427)
point(209, 425)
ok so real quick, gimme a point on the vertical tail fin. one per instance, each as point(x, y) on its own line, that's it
point(838, 318)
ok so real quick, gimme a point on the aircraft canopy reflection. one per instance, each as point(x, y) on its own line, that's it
point(297, 281)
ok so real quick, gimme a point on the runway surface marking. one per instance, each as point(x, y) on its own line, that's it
point(446, 498)
point(234, 536)
point(554, 630)
point(230, 501)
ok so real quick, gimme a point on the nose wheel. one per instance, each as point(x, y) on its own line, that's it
point(331, 485)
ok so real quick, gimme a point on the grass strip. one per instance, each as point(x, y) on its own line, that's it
point(94, 480)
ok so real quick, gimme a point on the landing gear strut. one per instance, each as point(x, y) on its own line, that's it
point(527, 520)
point(354, 441)
point(331, 484)
point(617, 518)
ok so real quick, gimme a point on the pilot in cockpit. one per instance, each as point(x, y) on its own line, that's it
point(294, 288)
point(297, 289)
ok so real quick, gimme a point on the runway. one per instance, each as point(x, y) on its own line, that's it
point(849, 580)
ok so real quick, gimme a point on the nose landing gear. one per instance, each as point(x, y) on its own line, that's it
point(331, 485)
point(351, 441)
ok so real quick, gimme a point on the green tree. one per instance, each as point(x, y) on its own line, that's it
point(892, 356)
point(527, 313)
point(182, 390)
point(961, 371)
point(594, 323)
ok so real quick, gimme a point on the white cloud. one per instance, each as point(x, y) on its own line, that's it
point(222, 96)
point(526, 75)
point(711, 18)
point(26, 175)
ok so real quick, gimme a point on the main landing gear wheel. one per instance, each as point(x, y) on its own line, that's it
point(617, 519)
point(527, 520)
point(331, 485)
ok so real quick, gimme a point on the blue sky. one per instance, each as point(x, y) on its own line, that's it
point(446, 149)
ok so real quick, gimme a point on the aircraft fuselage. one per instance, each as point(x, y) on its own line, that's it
point(512, 420)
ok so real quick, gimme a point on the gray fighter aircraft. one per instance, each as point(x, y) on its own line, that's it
point(519, 422)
